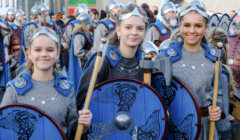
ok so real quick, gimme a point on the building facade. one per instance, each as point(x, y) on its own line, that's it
point(218, 6)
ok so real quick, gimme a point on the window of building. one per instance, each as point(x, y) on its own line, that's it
point(13, 3)
point(7, 3)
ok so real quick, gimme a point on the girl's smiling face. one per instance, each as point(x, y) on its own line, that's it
point(193, 27)
point(131, 31)
point(43, 53)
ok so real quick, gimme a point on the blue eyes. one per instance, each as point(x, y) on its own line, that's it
point(188, 25)
point(39, 50)
point(139, 28)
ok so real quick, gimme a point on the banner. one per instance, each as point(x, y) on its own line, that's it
point(77, 2)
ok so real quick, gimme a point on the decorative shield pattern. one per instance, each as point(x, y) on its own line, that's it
point(224, 22)
point(127, 109)
point(234, 26)
point(24, 122)
point(213, 21)
point(234, 49)
point(184, 118)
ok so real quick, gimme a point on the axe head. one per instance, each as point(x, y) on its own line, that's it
point(148, 47)
point(161, 63)
point(103, 48)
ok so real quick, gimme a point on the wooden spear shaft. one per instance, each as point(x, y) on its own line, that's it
point(147, 72)
point(80, 127)
point(212, 123)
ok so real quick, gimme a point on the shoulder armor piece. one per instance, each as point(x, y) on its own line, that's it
point(22, 84)
point(225, 71)
point(63, 86)
point(160, 27)
point(210, 52)
point(14, 26)
point(51, 23)
point(36, 22)
point(171, 52)
point(174, 51)
point(74, 23)
point(108, 23)
point(114, 55)
point(80, 32)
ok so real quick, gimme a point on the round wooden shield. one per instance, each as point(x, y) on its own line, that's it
point(24, 122)
point(224, 22)
point(184, 116)
point(126, 109)
point(213, 21)
point(234, 25)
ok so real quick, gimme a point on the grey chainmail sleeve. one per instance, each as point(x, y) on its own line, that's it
point(100, 32)
point(78, 44)
point(152, 34)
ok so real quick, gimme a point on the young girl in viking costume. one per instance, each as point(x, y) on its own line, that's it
point(214, 36)
point(193, 63)
point(41, 85)
point(123, 54)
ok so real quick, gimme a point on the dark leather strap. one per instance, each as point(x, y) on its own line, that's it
point(204, 111)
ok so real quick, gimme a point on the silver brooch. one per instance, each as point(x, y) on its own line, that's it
point(15, 27)
point(230, 61)
point(213, 52)
point(20, 82)
point(164, 31)
point(171, 52)
point(64, 84)
point(51, 24)
point(113, 55)
point(110, 25)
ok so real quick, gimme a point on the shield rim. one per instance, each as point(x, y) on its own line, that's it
point(232, 21)
point(215, 14)
point(40, 113)
point(220, 20)
point(194, 101)
point(98, 87)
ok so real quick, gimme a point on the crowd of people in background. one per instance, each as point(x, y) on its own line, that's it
point(48, 61)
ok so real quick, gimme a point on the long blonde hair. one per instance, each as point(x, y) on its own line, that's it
point(28, 65)
point(215, 35)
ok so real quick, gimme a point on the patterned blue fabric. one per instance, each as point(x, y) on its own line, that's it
point(177, 46)
point(108, 23)
point(26, 87)
point(160, 26)
point(4, 76)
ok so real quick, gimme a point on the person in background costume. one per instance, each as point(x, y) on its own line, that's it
point(4, 74)
point(193, 62)
point(34, 13)
point(80, 49)
point(234, 50)
point(10, 16)
point(44, 19)
point(12, 42)
point(82, 8)
point(165, 23)
point(40, 84)
point(105, 27)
